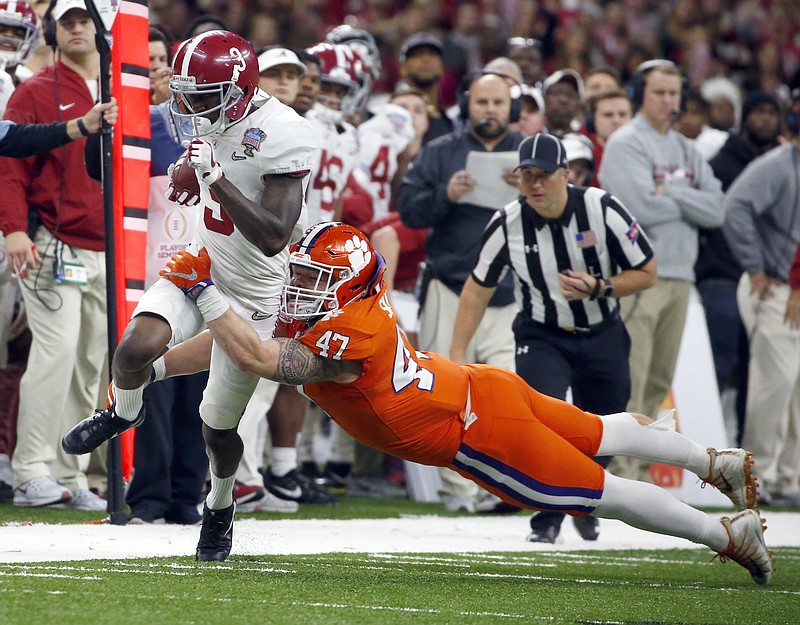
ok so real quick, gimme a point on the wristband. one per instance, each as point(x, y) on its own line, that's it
point(82, 127)
point(212, 304)
point(608, 290)
point(159, 371)
point(596, 290)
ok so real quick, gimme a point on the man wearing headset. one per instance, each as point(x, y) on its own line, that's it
point(61, 265)
point(431, 197)
point(671, 190)
point(762, 227)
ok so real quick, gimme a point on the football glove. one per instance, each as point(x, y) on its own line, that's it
point(192, 275)
point(202, 159)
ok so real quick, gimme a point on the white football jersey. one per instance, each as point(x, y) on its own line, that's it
point(336, 157)
point(382, 138)
point(272, 139)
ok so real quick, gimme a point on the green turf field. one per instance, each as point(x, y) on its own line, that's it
point(631, 587)
point(557, 587)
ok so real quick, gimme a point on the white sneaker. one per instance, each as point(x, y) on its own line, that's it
point(731, 473)
point(458, 504)
point(747, 546)
point(271, 503)
point(40, 491)
point(84, 499)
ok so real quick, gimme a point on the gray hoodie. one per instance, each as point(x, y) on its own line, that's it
point(636, 159)
point(762, 224)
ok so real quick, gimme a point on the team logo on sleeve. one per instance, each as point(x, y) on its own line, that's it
point(633, 232)
point(252, 140)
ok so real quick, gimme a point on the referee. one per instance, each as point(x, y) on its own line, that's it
point(573, 251)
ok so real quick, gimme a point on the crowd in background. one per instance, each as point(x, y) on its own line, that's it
point(754, 43)
point(570, 63)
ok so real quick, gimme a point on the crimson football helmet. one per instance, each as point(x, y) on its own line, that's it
point(341, 69)
point(214, 77)
point(362, 42)
point(331, 265)
point(20, 16)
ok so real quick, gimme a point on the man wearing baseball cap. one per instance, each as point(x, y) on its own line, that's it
point(563, 92)
point(280, 70)
point(573, 251)
point(422, 69)
point(64, 257)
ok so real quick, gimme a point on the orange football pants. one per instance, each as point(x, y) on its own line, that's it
point(529, 449)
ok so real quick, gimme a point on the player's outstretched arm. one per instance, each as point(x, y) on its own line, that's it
point(283, 360)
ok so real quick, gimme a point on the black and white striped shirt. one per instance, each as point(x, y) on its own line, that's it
point(595, 234)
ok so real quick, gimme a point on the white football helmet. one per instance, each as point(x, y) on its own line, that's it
point(18, 15)
point(342, 69)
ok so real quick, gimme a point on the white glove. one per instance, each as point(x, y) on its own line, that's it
point(201, 159)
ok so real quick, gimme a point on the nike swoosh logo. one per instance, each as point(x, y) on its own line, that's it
point(65, 107)
point(259, 316)
point(471, 418)
point(727, 485)
point(293, 493)
point(236, 157)
point(185, 276)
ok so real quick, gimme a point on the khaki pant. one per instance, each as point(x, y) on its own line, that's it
point(493, 344)
point(654, 319)
point(66, 366)
point(772, 417)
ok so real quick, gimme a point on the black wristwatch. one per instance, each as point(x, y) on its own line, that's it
point(608, 289)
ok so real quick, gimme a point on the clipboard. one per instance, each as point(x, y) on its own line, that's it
point(487, 168)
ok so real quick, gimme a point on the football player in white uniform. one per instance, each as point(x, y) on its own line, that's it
point(341, 74)
point(383, 140)
point(250, 155)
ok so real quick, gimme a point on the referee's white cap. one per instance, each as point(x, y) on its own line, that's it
point(543, 151)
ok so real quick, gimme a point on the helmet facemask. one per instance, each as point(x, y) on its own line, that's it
point(193, 106)
point(310, 290)
point(343, 104)
point(25, 24)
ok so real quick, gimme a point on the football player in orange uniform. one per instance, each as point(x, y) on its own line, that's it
point(343, 347)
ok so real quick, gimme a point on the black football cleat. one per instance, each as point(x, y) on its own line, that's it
point(216, 534)
point(587, 526)
point(93, 431)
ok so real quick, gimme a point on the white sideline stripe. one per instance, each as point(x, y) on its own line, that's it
point(135, 223)
point(41, 542)
point(133, 8)
point(136, 153)
point(132, 80)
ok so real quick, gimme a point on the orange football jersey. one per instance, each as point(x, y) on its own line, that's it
point(406, 403)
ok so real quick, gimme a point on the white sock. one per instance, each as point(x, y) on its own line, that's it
point(623, 435)
point(652, 508)
point(221, 494)
point(284, 459)
point(343, 447)
point(128, 401)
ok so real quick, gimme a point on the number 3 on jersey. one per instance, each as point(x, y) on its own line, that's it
point(214, 216)
point(406, 369)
